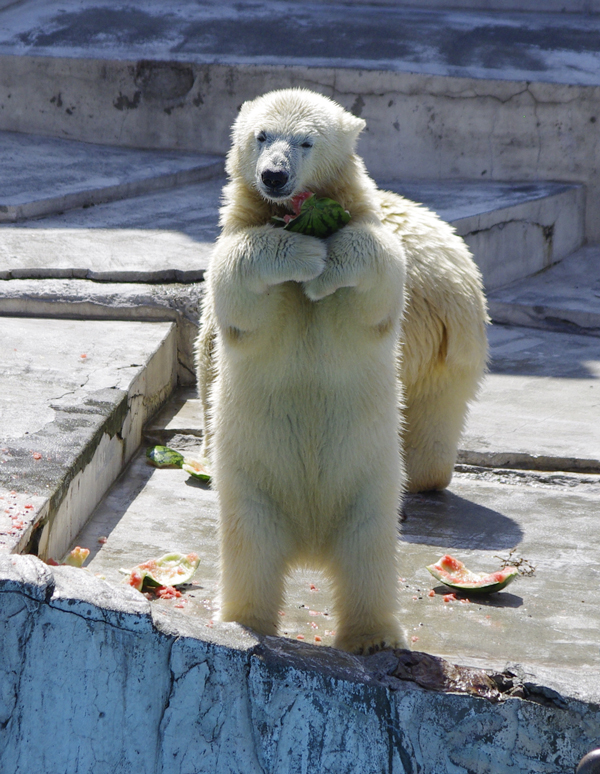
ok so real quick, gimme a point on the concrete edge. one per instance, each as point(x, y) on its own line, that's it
point(232, 702)
point(113, 421)
point(126, 190)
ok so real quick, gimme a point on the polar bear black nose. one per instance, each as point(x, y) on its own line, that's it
point(274, 179)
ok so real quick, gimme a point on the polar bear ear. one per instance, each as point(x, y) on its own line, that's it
point(353, 125)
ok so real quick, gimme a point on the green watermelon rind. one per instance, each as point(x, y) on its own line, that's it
point(164, 457)
point(318, 217)
point(487, 588)
point(152, 578)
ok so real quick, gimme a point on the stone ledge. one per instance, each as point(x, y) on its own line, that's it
point(151, 696)
point(89, 388)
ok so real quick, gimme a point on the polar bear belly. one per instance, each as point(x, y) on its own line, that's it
point(308, 405)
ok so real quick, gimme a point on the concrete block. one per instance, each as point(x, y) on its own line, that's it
point(563, 298)
point(513, 229)
point(44, 175)
point(77, 394)
point(158, 238)
point(535, 405)
point(83, 299)
point(483, 516)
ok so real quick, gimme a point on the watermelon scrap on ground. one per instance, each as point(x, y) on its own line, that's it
point(164, 457)
point(170, 570)
point(453, 573)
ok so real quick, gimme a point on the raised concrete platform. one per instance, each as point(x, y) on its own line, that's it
point(514, 229)
point(76, 395)
point(552, 47)
point(159, 692)
point(565, 297)
point(44, 175)
point(539, 404)
point(536, 623)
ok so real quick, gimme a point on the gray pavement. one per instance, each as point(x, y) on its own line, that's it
point(539, 407)
point(546, 623)
point(531, 47)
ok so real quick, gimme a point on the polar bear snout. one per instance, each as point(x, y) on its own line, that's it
point(274, 180)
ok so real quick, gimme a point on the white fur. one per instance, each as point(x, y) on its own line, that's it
point(298, 369)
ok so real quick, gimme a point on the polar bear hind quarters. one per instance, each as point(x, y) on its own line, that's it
point(305, 351)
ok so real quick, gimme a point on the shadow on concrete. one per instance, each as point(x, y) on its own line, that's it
point(120, 499)
point(498, 599)
point(447, 520)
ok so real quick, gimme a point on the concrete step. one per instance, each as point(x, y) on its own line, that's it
point(537, 406)
point(514, 230)
point(446, 94)
point(46, 176)
point(76, 394)
point(565, 297)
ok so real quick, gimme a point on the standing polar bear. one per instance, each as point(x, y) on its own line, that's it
point(301, 371)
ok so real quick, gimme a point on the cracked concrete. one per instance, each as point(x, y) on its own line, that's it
point(566, 297)
point(43, 175)
point(149, 695)
point(59, 455)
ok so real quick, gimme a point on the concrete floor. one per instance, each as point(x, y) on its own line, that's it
point(546, 623)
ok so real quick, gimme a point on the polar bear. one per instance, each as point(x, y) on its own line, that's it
point(301, 373)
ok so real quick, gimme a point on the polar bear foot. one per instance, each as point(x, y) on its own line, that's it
point(365, 644)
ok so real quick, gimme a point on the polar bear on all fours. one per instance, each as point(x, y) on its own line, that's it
point(323, 364)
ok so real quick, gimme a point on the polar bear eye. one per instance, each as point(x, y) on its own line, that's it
point(261, 137)
point(307, 144)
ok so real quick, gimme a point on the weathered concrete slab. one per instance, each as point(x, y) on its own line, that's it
point(545, 622)
point(514, 229)
point(559, 48)
point(76, 395)
point(540, 403)
point(160, 237)
point(464, 95)
point(44, 175)
point(156, 693)
point(565, 297)
point(84, 299)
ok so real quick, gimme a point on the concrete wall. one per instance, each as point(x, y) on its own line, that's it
point(419, 126)
point(94, 681)
point(536, 6)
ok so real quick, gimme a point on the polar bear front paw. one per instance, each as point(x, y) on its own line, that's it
point(306, 257)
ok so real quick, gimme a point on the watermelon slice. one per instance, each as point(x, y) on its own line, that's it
point(164, 457)
point(452, 572)
point(170, 570)
point(318, 217)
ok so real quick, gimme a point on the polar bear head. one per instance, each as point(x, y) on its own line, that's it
point(291, 141)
